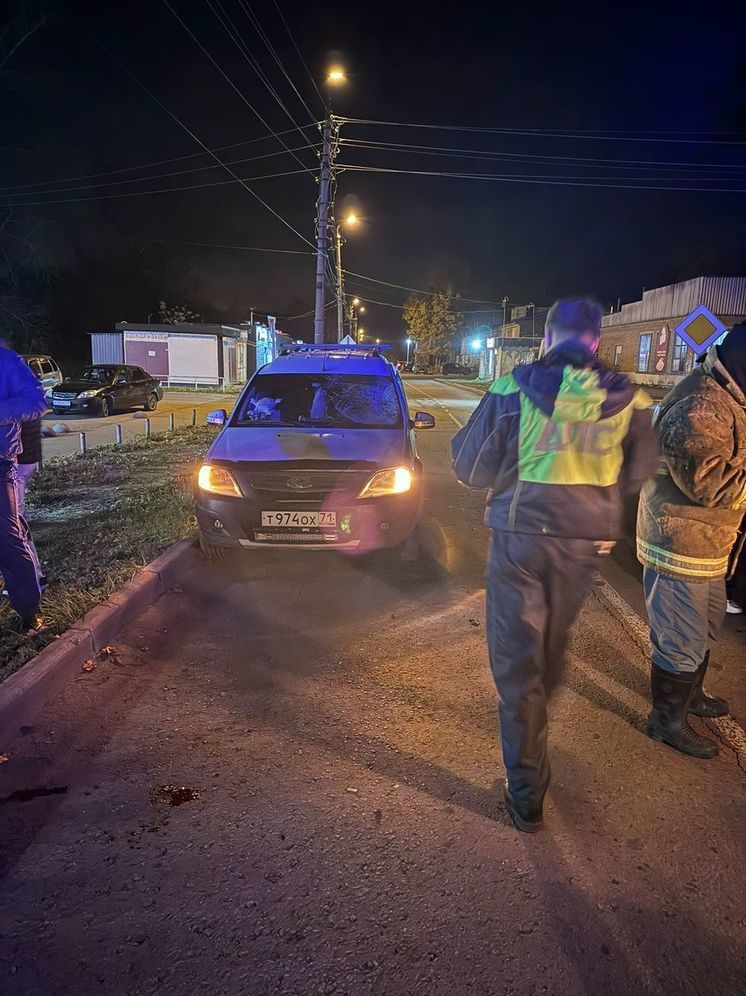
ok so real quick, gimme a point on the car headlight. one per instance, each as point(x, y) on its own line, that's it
point(396, 481)
point(88, 394)
point(217, 481)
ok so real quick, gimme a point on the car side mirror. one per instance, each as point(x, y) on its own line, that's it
point(423, 420)
point(220, 417)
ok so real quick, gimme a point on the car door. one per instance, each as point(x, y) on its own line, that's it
point(141, 386)
point(122, 391)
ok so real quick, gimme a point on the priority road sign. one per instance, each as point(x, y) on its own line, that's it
point(700, 329)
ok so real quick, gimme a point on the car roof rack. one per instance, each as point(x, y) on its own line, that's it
point(332, 347)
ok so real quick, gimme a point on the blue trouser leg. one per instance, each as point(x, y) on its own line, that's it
point(535, 588)
point(16, 562)
point(685, 619)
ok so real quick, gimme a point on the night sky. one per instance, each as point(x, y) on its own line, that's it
point(72, 111)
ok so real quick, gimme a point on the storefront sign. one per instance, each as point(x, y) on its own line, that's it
point(661, 349)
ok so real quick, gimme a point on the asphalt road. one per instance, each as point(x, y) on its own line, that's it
point(101, 431)
point(336, 723)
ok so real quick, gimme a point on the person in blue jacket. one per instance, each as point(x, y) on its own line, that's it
point(559, 444)
point(21, 400)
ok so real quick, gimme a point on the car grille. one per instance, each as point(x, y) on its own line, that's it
point(303, 484)
point(63, 396)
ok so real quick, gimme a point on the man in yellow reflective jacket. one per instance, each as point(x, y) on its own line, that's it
point(559, 444)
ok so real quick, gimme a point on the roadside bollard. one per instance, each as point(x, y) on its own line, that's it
point(83, 443)
point(194, 416)
point(118, 433)
point(147, 428)
point(171, 422)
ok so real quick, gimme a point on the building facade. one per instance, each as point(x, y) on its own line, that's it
point(640, 338)
point(190, 352)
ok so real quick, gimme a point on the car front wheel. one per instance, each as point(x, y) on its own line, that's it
point(104, 409)
point(210, 551)
point(152, 403)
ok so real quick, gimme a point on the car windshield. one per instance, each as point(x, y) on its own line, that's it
point(99, 375)
point(337, 400)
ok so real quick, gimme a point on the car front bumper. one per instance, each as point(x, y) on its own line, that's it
point(363, 525)
point(76, 406)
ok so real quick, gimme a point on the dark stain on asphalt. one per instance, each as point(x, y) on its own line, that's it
point(174, 795)
point(26, 795)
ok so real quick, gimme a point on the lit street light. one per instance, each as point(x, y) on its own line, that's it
point(336, 76)
point(409, 343)
point(476, 344)
point(351, 220)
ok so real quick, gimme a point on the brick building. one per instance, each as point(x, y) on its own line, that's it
point(640, 337)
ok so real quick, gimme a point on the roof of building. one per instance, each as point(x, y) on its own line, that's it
point(181, 328)
point(722, 295)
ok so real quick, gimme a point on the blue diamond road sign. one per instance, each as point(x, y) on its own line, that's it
point(700, 329)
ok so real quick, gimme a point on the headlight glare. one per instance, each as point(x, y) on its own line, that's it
point(396, 481)
point(217, 481)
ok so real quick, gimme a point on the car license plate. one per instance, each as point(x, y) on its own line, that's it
point(62, 404)
point(300, 520)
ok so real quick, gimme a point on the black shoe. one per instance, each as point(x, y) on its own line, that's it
point(702, 704)
point(28, 625)
point(667, 722)
point(527, 819)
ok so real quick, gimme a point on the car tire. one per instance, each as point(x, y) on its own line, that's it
point(104, 409)
point(210, 551)
point(152, 403)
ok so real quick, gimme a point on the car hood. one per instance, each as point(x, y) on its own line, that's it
point(80, 385)
point(383, 447)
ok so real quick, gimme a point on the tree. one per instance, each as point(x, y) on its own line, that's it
point(176, 314)
point(434, 323)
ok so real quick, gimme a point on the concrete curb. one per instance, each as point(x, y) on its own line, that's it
point(24, 693)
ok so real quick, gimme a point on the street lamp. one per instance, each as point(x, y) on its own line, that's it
point(336, 76)
point(351, 220)
point(378, 342)
point(409, 343)
point(476, 344)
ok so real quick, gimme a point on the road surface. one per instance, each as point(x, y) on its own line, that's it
point(334, 728)
point(101, 431)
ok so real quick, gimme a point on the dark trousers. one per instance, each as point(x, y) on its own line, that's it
point(686, 618)
point(536, 586)
point(16, 561)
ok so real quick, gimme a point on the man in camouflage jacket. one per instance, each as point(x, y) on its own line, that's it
point(687, 526)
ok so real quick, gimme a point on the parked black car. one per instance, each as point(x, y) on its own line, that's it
point(105, 388)
point(456, 368)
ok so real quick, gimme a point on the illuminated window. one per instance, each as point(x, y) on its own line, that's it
point(679, 355)
point(643, 353)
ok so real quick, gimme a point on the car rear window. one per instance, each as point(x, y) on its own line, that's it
point(321, 400)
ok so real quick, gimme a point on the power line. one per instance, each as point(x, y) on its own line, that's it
point(235, 35)
point(174, 190)
point(416, 290)
point(246, 7)
point(217, 245)
point(155, 176)
point(545, 182)
point(306, 314)
point(202, 144)
point(521, 157)
point(542, 133)
point(228, 80)
point(163, 162)
point(300, 54)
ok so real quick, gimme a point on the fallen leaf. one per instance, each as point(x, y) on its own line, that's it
point(89, 665)
point(4, 758)
point(352, 791)
point(474, 622)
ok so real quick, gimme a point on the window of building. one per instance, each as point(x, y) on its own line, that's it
point(618, 355)
point(679, 355)
point(643, 353)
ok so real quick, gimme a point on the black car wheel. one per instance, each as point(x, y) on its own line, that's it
point(152, 403)
point(104, 408)
point(210, 551)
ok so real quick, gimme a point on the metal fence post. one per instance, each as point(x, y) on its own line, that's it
point(118, 433)
point(147, 428)
point(83, 443)
point(194, 416)
point(171, 422)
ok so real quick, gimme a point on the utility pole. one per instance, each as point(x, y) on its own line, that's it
point(340, 289)
point(322, 231)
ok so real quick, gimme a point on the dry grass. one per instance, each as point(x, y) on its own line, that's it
point(97, 518)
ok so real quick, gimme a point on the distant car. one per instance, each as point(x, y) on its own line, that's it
point(319, 452)
point(105, 388)
point(456, 368)
point(46, 369)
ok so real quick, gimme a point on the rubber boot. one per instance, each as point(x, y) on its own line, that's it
point(667, 722)
point(702, 704)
